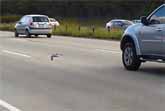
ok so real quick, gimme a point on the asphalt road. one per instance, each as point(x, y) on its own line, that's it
point(85, 75)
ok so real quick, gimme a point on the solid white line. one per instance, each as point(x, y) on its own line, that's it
point(110, 51)
point(8, 106)
point(15, 53)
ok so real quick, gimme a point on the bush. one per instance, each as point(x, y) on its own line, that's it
point(7, 27)
point(9, 19)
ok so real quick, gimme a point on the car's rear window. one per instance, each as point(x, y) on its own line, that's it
point(40, 19)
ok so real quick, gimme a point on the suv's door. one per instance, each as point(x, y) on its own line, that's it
point(151, 40)
point(160, 17)
point(152, 35)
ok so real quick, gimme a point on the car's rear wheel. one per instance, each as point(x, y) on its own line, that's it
point(16, 33)
point(129, 57)
point(27, 33)
point(109, 28)
point(36, 35)
point(49, 35)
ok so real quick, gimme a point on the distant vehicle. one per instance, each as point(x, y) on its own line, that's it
point(136, 21)
point(54, 22)
point(144, 41)
point(118, 23)
point(33, 25)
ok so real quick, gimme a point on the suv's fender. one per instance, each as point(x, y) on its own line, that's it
point(131, 35)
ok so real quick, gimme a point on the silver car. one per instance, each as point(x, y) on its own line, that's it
point(54, 22)
point(145, 41)
point(33, 25)
point(118, 24)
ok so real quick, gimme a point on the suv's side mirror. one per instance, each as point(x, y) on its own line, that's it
point(144, 20)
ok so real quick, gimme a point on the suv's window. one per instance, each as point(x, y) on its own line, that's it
point(159, 16)
point(40, 19)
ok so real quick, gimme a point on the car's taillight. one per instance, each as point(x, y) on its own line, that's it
point(31, 24)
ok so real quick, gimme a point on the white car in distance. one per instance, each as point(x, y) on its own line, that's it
point(54, 22)
point(118, 24)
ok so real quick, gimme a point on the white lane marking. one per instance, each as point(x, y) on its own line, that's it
point(110, 51)
point(15, 53)
point(8, 106)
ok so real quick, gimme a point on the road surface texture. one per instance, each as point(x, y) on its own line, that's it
point(83, 75)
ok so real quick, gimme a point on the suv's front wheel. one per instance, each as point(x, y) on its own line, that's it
point(129, 57)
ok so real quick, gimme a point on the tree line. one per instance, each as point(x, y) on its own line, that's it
point(80, 9)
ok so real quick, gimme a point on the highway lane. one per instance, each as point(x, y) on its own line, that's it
point(86, 76)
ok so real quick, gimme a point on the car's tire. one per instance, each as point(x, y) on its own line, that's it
point(129, 57)
point(36, 35)
point(49, 35)
point(27, 34)
point(16, 33)
point(109, 28)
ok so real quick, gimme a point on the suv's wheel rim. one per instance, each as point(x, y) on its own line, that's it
point(128, 56)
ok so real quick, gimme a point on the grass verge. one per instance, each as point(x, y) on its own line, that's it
point(76, 30)
point(7, 27)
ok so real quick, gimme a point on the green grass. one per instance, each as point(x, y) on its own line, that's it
point(75, 30)
point(7, 27)
point(9, 18)
point(88, 32)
